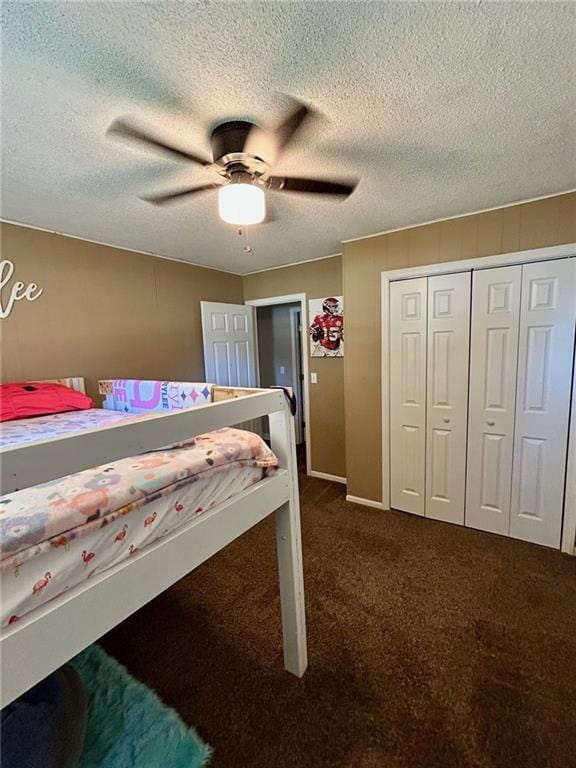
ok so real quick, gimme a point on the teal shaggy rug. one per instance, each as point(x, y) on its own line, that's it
point(128, 725)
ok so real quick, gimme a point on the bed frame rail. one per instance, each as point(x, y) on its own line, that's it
point(39, 643)
point(23, 466)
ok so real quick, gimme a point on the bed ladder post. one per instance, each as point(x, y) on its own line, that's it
point(289, 547)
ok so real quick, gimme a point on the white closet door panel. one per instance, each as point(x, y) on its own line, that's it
point(492, 393)
point(408, 300)
point(447, 395)
point(546, 349)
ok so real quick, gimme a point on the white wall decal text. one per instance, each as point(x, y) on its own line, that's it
point(17, 291)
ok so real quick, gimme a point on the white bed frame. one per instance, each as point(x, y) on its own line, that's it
point(48, 637)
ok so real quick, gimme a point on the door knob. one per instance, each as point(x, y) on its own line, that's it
point(490, 423)
point(446, 420)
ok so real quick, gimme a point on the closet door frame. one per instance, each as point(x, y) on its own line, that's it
point(471, 265)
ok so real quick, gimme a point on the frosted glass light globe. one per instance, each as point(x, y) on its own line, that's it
point(241, 204)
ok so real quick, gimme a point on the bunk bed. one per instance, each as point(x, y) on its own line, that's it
point(46, 637)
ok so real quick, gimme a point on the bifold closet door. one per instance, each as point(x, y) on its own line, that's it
point(545, 364)
point(407, 360)
point(492, 395)
point(447, 395)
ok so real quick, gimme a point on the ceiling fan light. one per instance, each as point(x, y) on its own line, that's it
point(241, 204)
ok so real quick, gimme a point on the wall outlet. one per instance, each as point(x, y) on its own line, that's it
point(314, 378)
point(282, 370)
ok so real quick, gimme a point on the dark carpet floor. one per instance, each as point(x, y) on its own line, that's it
point(431, 646)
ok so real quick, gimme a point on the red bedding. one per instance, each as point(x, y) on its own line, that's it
point(26, 399)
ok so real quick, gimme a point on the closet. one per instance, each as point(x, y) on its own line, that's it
point(480, 373)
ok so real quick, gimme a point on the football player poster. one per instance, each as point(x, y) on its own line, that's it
point(327, 327)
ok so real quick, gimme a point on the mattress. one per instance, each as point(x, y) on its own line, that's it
point(59, 424)
point(56, 535)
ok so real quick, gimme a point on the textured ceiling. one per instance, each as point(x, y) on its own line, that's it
point(440, 108)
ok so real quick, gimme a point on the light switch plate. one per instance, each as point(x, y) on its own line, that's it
point(314, 378)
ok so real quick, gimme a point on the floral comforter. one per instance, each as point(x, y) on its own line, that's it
point(60, 424)
point(37, 519)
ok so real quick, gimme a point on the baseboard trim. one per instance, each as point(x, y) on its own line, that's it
point(366, 502)
point(326, 476)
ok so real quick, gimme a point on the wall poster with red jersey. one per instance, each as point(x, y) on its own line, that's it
point(326, 326)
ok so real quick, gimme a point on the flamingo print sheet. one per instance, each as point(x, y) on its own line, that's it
point(55, 535)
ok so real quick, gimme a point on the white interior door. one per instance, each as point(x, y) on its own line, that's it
point(492, 395)
point(447, 395)
point(228, 333)
point(408, 301)
point(545, 361)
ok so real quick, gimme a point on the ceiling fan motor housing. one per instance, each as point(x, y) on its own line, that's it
point(228, 141)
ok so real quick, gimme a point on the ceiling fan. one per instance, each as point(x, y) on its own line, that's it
point(243, 155)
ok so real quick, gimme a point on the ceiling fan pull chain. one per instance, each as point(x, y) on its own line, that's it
point(247, 247)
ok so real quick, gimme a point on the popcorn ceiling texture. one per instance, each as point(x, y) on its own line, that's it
point(441, 109)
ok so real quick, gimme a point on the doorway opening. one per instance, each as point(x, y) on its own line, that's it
point(281, 359)
point(261, 343)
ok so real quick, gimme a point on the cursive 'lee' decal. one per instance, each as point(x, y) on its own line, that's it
point(17, 291)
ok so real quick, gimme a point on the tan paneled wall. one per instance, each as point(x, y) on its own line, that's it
point(104, 312)
point(521, 227)
point(108, 313)
point(316, 279)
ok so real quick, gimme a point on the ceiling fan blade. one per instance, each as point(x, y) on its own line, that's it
point(290, 126)
point(311, 186)
point(271, 214)
point(174, 197)
point(262, 144)
point(121, 129)
point(269, 145)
